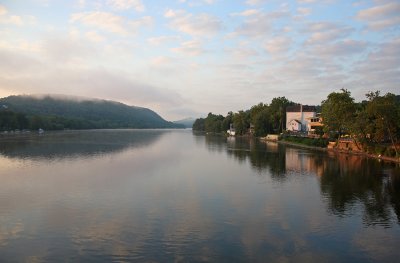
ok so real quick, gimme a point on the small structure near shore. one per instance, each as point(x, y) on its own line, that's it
point(231, 131)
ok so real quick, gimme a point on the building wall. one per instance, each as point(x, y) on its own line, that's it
point(300, 116)
point(293, 126)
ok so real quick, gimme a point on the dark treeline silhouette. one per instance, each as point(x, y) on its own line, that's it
point(56, 113)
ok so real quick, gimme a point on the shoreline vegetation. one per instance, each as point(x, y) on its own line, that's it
point(370, 127)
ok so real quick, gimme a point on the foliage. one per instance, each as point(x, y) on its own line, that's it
point(241, 122)
point(213, 123)
point(60, 113)
point(262, 117)
point(199, 125)
point(278, 113)
point(373, 123)
point(262, 124)
point(338, 112)
point(10, 120)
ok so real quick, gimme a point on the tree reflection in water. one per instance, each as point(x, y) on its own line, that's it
point(349, 183)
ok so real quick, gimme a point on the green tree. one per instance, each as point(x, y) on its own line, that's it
point(338, 112)
point(262, 123)
point(278, 113)
point(213, 123)
point(199, 125)
point(241, 122)
point(228, 120)
point(383, 113)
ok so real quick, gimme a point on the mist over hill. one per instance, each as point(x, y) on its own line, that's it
point(188, 122)
point(83, 113)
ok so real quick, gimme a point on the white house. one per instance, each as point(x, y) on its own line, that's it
point(293, 125)
point(298, 117)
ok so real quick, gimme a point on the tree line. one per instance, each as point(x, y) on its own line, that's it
point(10, 120)
point(262, 118)
point(371, 122)
point(52, 113)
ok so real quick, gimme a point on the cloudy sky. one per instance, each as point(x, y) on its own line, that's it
point(186, 58)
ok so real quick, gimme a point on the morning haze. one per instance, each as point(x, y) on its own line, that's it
point(199, 131)
point(187, 58)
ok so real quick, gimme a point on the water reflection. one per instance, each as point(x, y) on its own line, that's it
point(75, 144)
point(185, 198)
point(349, 183)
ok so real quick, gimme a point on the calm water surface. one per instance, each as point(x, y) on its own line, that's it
point(173, 196)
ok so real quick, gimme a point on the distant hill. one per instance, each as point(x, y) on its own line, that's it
point(188, 122)
point(85, 113)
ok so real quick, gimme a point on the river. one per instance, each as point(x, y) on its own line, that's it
point(176, 196)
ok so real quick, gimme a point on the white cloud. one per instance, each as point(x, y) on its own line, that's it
point(278, 45)
point(69, 50)
point(156, 41)
point(306, 1)
point(81, 3)
point(381, 16)
point(17, 63)
point(243, 52)
point(127, 4)
point(324, 32)
point(259, 24)
point(162, 61)
point(195, 25)
point(14, 20)
point(380, 70)
point(94, 36)
point(343, 48)
point(192, 48)
point(9, 19)
point(3, 10)
point(304, 11)
point(249, 12)
point(198, 2)
point(256, 2)
point(381, 11)
point(110, 22)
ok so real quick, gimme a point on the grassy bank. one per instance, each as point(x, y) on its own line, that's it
point(313, 142)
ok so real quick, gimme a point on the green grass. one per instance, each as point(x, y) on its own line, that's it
point(317, 142)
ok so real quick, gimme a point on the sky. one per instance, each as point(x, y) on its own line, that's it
point(185, 58)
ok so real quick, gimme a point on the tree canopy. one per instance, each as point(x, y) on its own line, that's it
point(263, 118)
point(338, 112)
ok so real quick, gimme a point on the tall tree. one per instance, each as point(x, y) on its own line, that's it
point(338, 112)
point(262, 123)
point(278, 113)
point(241, 122)
point(383, 112)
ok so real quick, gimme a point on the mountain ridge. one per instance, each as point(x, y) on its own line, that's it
point(89, 112)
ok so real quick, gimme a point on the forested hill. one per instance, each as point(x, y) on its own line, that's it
point(57, 112)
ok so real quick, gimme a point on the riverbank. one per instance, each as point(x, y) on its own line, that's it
point(379, 157)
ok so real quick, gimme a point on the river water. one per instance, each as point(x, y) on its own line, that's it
point(175, 196)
